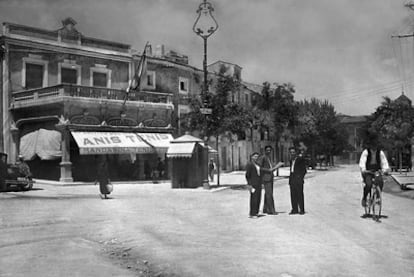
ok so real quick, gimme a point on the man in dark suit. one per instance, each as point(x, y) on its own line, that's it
point(255, 185)
point(296, 181)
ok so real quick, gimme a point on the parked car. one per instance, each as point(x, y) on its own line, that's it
point(18, 175)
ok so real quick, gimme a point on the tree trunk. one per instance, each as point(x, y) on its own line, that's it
point(218, 161)
point(277, 150)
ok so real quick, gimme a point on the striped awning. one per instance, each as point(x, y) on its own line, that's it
point(181, 150)
point(161, 141)
point(96, 143)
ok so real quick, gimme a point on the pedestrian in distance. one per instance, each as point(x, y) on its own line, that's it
point(211, 169)
point(160, 168)
point(264, 162)
point(296, 181)
point(254, 182)
point(105, 186)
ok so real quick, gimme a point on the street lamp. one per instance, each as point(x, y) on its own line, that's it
point(204, 26)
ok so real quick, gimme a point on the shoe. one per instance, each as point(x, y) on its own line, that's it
point(302, 213)
point(275, 213)
point(253, 216)
point(364, 203)
point(293, 212)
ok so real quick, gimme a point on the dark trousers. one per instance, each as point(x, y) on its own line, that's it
point(255, 198)
point(368, 183)
point(269, 204)
point(296, 197)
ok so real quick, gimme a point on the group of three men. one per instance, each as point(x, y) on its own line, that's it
point(259, 172)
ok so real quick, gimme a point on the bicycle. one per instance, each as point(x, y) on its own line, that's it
point(374, 197)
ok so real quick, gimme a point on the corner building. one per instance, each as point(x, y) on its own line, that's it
point(62, 96)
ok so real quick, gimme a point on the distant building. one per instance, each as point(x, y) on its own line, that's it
point(353, 125)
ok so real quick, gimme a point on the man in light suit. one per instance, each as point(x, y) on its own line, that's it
point(265, 161)
point(296, 181)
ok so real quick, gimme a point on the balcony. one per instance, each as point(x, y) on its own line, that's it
point(58, 92)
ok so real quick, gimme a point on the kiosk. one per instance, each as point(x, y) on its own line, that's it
point(188, 160)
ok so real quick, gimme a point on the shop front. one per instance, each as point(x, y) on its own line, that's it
point(131, 155)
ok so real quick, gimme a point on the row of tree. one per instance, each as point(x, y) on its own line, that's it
point(313, 122)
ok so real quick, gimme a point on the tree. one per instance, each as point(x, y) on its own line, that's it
point(226, 115)
point(393, 123)
point(318, 127)
point(275, 109)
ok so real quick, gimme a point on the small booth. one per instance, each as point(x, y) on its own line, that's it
point(188, 160)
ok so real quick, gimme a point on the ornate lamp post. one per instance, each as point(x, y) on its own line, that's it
point(204, 26)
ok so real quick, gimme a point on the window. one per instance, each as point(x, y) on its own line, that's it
point(69, 76)
point(100, 77)
point(150, 82)
point(183, 85)
point(34, 73)
point(69, 73)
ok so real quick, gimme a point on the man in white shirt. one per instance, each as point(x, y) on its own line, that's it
point(372, 159)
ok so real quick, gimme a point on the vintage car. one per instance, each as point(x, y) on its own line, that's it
point(17, 177)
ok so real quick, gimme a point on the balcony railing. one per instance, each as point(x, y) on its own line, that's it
point(89, 92)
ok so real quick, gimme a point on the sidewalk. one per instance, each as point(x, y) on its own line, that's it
point(227, 179)
point(404, 178)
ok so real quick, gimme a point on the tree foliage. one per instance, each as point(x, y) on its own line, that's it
point(226, 115)
point(318, 127)
point(393, 122)
point(275, 109)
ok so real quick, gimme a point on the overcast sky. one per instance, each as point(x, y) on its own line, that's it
point(339, 50)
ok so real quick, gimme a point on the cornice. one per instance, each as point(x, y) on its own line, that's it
point(67, 48)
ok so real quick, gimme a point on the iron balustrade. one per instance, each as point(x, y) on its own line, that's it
point(89, 92)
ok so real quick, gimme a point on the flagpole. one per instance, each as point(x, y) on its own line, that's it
point(143, 56)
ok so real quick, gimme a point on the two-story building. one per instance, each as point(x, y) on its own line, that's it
point(63, 102)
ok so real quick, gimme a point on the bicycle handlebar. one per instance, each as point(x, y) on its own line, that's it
point(374, 172)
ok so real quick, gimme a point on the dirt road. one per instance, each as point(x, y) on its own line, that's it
point(152, 230)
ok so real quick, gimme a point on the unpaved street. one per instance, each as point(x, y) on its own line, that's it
point(152, 230)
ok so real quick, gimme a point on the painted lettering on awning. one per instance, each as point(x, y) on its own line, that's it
point(92, 143)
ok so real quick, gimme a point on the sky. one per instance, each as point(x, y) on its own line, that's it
point(339, 50)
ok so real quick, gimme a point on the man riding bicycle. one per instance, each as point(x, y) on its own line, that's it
point(372, 159)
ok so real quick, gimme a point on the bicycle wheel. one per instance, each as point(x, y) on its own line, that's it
point(377, 203)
